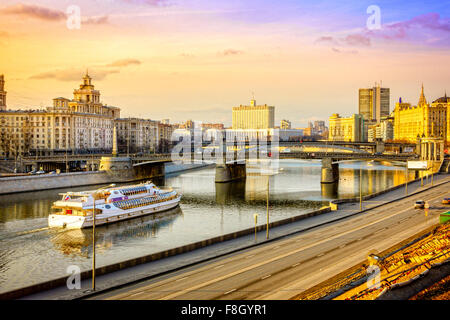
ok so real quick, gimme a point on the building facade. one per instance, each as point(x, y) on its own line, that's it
point(253, 116)
point(165, 142)
point(374, 103)
point(137, 135)
point(426, 120)
point(285, 124)
point(383, 131)
point(217, 126)
point(80, 125)
point(350, 129)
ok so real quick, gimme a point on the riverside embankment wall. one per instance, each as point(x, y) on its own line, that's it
point(52, 181)
point(15, 294)
point(74, 179)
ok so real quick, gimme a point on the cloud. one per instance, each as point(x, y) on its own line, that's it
point(357, 40)
point(231, 52)
point(98, 72)
point(415, 26)
point(344, 51)
point(35, 12)
point(98, 20)
point(72, 74)
point(350, 40)
point(326, 39)
point(153, 3)
point(47, 14)
point(123, 63)
point(427, 28)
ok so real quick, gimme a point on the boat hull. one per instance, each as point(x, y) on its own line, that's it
point(79, 222)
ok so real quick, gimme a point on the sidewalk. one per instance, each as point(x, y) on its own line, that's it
point(174, 263)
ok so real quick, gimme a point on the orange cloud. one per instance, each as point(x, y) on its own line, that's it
point(231, 52)
point(71, 74)
point(123, 63)
point(35, 12)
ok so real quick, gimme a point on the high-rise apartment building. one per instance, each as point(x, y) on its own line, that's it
point(285, 124)
point(2, 93)
point(350, 129)
point(137, 135)
point(253, 116)
point(82, 123)
point(374, 103)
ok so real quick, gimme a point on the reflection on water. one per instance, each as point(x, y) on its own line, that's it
point(78, 241)
point(227, 193)
point(30, 252)
point(329, 190)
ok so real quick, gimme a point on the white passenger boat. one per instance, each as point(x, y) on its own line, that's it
point(75, 209)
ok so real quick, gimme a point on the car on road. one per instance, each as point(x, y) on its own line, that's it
point(40, 172)
point(446, 200)
point(419, 204)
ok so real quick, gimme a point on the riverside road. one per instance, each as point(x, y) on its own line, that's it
point(283, 268)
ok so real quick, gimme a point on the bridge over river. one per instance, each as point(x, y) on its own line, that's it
point(230, 163)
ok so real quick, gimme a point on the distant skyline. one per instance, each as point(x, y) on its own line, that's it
point(196, 59)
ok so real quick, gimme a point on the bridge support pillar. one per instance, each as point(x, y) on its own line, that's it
point(230, 172)
point(379, 147)
point(119, 168)
point(330, 171)
point(329, 190)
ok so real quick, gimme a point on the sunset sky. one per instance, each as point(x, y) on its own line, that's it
point(195, 59)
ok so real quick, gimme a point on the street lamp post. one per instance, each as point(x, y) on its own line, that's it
point(268, 174)
point(406, 180)
point(95, 195)
point(360, 189)
point(267, 228)
point(256, 221)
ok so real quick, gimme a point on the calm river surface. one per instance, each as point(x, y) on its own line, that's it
point(32, 253)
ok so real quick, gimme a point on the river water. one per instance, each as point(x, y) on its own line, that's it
point(30, 252)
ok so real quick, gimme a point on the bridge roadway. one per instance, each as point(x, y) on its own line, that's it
point(282, 155)
point(283, 268)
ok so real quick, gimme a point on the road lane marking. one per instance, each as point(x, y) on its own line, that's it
point(249, 256)
point(219, 266)
point(294, 265)
point(265, 277)
point(178, 293)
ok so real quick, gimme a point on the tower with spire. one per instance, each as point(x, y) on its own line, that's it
point(87, 93)
point(2, 93)
point(422, 99)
